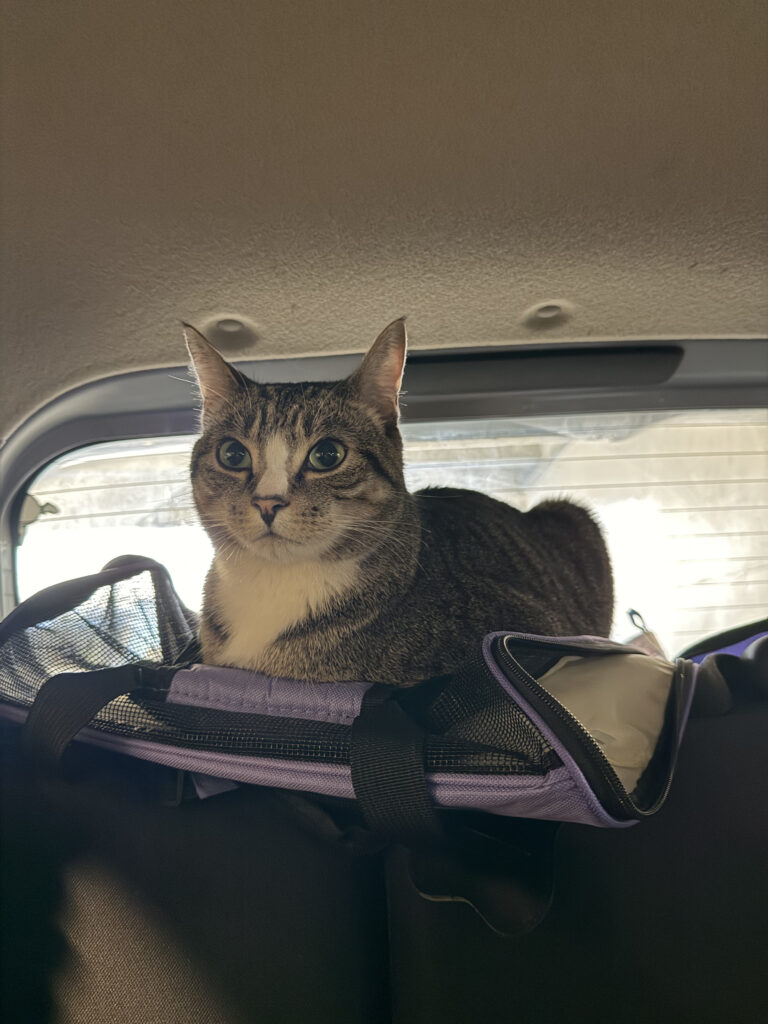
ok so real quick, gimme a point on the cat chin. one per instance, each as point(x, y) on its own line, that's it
point(279, 550)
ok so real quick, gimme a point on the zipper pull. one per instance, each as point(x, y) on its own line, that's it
point(645, 639)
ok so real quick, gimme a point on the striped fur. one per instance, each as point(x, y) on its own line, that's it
point(353, 577)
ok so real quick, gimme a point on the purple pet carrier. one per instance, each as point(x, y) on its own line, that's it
point(575, 729)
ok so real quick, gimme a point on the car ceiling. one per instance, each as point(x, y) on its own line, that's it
point(317, 169)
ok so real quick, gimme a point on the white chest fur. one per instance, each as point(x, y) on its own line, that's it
point(257, 601)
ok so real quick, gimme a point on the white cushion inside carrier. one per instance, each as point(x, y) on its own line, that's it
point(620, 700)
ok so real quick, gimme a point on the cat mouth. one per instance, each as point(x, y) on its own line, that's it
point(272, 535)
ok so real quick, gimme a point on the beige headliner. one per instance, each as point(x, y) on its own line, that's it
point(324, 166)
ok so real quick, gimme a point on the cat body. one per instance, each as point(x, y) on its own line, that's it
point(326, 568)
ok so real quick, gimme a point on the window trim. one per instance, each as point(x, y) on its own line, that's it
point(524, 381)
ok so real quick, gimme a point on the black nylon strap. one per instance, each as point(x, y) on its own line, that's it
point(387, 761)
point(65, 704)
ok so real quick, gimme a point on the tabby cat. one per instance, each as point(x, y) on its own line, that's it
point(327, 568)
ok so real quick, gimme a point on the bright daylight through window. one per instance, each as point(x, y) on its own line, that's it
point(683, 498)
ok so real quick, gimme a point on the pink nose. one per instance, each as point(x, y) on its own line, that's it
point(269, 507)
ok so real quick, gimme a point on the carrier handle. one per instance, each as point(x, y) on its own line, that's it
point(387, 764)
point(67, 703)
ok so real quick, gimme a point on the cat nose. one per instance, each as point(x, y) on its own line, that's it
point(269, 507)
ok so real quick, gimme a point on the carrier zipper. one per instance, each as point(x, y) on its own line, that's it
point(557, 644)
point(602, 763)
point(615, 792)
point(681, 673)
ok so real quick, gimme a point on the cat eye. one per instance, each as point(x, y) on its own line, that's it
point(233, 455)
point(326, 454)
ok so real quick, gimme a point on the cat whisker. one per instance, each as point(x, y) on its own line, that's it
point(419, 495)
point(397, 547)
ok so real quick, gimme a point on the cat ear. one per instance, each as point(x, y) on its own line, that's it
point(378, 379)
point(218, 381)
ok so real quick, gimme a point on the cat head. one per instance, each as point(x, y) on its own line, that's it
point(299, 472)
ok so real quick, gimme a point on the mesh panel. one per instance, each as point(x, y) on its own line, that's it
point(227, 732)
point(470, 709)
point(472, 725)
point(116, 625)
point(293, 738)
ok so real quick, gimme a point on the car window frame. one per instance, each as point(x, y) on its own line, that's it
point(546, 378)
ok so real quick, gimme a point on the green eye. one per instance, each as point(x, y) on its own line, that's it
point(233, 455)
point(326, 454)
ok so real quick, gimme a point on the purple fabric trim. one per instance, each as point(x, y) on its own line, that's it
point(592, 644)
point(555, 796)
point(595, 814)
point(234, 689)
point(737, 649)
point(329, 779)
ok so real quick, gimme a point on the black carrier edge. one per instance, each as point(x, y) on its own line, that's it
point(713, 643)
point(653, 786)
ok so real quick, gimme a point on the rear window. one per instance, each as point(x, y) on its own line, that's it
point(682, 497)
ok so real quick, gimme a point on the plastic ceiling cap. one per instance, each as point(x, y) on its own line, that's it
point(548, 314)
point(230, 331)
point(229, 325)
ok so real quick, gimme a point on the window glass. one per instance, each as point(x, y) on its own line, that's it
point(683, 499)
